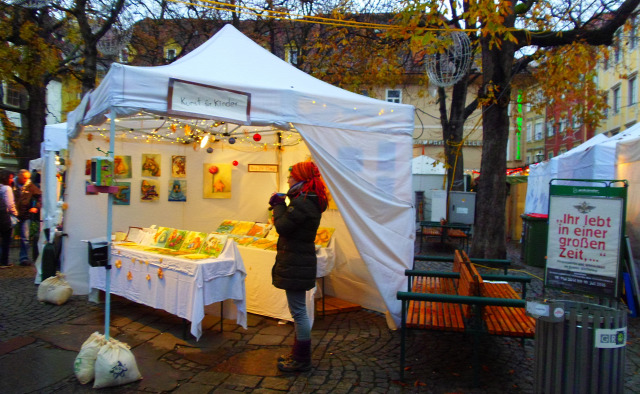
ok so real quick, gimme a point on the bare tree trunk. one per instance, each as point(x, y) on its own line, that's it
point(33, 123)
point(489, 234)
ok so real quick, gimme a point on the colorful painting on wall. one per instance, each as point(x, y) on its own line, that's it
point(178, 166)
point(123, 196)
point(151, 164)
point(177, 190)
point(87, 167)
point(149, 190)
point(122, 166)
point(217, 180)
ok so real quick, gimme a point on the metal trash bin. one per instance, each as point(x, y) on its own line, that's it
point(535, 230)
point(579, 348)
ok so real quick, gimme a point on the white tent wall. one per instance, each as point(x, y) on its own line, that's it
point(628, 167)
point(87, 214)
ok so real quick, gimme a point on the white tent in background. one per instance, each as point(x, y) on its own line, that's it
point(428, 175)
point(361, 145)
point(598, 158)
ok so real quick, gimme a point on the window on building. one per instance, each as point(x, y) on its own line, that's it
point(617, 46)
point(605, 62)
point(394, 96)
point(606, 107)
point(123, 56)
point(550, 155)
point(616, 100)
point(633, 89)
point(576, 122)
point(538, 131)
point(633, 32)
point(529, 132)
point(562, 150)
point(171, 54)
point(562, 126)
point(550, 128)
point(13, 95)
point(292, 56)
point(528, 159)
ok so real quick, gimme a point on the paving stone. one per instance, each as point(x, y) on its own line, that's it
point(192, 388)
point(35, 369)
point(210, 378)
point(266, 340)
point(243, 380)
point(261, 362)
point(15, 343)
point(69, 336)
point(159, 376)
point(276, 383)
point(281, 330)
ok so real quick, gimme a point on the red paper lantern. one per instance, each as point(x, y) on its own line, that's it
point(235, 162)
point(213, 169)
point(257, 137)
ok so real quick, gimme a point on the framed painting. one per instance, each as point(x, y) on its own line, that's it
point(151, 164)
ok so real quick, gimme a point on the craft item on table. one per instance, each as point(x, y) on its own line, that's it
point(272, 234)
point(214, 244)
point(176, 239)
point(127, 243)
point(323, 236)
point(242, 228)
point(246, 240)
point(226, 226)
point(196, 256)
point(259, 230)
point(262, 243)
point(193, 242)
point(147, 237)
point(170, 252)
point(161, 236)
point(134, 234)
point(273, 246)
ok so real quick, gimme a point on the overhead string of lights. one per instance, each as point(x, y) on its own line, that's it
point(197, 132)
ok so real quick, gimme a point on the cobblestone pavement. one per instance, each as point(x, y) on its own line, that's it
point(353, 352)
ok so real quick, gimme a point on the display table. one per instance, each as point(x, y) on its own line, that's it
point(186, 285)
point(262, 297)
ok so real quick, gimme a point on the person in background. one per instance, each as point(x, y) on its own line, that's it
point(27, 198)
point(295, 268)
point(7, 207)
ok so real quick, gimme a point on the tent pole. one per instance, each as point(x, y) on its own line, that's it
point(279, 160)
point(107, 297)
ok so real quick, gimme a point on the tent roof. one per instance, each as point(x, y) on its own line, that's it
point(280, 94)
point(425, 165)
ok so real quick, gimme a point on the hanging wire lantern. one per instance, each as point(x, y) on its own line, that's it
point(451, 59)
point(32, 4)
point(113, 41)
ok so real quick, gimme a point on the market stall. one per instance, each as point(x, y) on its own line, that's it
point(274, 116)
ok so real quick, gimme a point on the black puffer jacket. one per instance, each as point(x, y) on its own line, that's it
point(297, 224)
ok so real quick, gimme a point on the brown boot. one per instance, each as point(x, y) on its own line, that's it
point(300, 360)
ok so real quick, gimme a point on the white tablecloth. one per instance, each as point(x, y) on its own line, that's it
point(186, 287)
point(262, 297)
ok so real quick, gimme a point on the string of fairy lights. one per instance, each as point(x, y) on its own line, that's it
point(200, 133)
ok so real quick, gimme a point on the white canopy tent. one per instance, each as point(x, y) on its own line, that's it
point(598, 158)
point(362, 146)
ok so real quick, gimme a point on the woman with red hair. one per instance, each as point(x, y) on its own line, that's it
point(295, 268)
